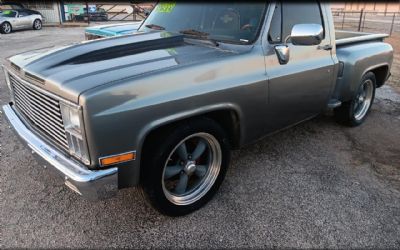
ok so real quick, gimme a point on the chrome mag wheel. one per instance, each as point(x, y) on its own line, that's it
point(363, 100)
point(192, 169)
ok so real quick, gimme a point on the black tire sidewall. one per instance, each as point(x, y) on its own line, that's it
point(154, 165)
point(3, 30)
point(345, 113)
point(354, 121)
point(41, 24)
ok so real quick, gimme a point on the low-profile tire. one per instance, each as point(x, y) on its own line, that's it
point(183, 167)
point(354, 113)
point(5, 28)
point(37, 24)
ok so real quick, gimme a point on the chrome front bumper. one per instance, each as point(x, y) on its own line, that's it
point(91, 184)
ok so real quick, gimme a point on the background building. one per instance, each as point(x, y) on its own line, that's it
point(59, 11)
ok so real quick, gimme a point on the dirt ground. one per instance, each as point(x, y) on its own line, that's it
point(317, 185)
point(394, 40)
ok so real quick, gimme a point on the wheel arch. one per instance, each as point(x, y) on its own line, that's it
point(381, 73)
point(36, 19)
point(228, 118)
point(8, 23)
point(359, 59)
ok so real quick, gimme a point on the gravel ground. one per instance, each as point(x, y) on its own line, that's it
point(317, 185)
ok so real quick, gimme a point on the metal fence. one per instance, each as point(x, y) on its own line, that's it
point(126, 12)
point(92, 12)
point(368, 21)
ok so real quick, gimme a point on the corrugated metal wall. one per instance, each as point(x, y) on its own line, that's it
point(51, 15)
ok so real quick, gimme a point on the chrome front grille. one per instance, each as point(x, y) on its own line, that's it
point(40, 109)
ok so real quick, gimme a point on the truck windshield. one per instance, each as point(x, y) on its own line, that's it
point(227, 22)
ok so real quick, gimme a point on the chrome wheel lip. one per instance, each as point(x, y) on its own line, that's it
point(209, 178)
point(363, 100)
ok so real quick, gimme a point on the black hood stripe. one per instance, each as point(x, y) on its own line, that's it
point(125, 50)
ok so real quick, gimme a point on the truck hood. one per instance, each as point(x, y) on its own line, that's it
point(69, 71)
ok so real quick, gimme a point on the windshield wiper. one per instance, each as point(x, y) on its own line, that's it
point(201, 34)
point(193, 32)
point(154, 27)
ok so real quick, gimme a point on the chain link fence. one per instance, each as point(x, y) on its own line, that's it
point(368, 21)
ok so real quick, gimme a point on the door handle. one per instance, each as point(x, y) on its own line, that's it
point(325, 47)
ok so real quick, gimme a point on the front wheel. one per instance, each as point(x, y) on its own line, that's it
point(6, 28)
point(37, 24)
point(355, 112)
point(183, 170)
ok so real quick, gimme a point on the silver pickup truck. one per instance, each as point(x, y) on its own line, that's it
point(162, 109)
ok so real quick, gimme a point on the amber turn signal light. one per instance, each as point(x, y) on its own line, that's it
point(112, 160)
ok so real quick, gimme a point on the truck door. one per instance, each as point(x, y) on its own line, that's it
point(301, 88)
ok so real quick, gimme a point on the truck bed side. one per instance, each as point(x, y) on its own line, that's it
point(350, 37)
point(359, 53)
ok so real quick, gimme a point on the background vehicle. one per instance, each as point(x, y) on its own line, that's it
point(111, 30)
point(97, 14)
point(163, 108)
point(19, 19)
point(17, 6)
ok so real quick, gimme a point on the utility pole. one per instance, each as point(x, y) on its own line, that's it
point(87, 13)
point(361, 19)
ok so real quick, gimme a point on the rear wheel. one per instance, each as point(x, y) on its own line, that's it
point(355, 112)
point(6, 28)
point(37, 24)
point(183, 170)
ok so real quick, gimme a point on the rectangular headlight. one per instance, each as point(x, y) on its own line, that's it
point(73, 124)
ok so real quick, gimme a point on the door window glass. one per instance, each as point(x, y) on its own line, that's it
point(23, 13)
point(275, 30)
point(299, 13)
point(288, 14)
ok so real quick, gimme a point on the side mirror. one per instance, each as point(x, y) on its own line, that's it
point(283, 54)
point(307, 34)
point(20, 15)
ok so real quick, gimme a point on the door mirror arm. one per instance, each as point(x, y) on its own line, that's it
point(283, 53)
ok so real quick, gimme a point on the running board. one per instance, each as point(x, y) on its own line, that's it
point(334, 103)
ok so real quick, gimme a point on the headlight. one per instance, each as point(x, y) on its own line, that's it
point(72, 119)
